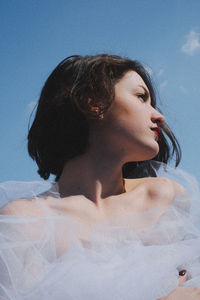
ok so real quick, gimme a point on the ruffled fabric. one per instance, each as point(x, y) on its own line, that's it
point(55, 257)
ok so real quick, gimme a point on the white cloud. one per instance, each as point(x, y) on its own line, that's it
point(31, 105)
point(163, 84)
point(183, 89)
point(160, 72)
point(148, 69)
point(192, 44)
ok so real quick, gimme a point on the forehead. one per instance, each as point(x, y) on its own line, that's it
point(131, 79)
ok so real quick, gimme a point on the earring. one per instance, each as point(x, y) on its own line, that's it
point(101, 117)
point(96, 111)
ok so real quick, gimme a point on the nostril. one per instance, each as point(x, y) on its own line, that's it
point(160, 121)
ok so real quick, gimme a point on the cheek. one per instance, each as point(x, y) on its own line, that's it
point(125, 109)
point(137, 117)
point(128, 115)
point(132, 126)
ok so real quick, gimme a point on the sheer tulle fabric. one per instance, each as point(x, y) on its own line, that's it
point(55, 257)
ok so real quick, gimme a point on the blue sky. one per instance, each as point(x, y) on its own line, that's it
point(37, 35)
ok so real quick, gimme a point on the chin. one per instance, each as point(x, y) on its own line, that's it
point(150, 153)
point(154, 153)
point(146, 156)
point(144, 151)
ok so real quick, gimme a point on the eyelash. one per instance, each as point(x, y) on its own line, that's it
point(143, 96)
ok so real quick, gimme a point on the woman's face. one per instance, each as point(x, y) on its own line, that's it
point(131, 120)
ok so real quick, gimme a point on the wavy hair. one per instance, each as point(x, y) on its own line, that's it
point(60, 128)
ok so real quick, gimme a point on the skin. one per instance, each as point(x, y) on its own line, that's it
point(183, 293)
point(123, 135)
point(91, 185)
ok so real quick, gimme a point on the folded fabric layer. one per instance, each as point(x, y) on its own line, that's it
point(56, 257)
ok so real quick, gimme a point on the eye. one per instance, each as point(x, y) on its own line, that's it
point(143, 96)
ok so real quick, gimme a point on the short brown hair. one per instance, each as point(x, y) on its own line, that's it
point(60, 129)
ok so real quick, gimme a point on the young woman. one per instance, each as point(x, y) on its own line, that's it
point(109, 226)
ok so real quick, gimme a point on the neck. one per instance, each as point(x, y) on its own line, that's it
point(95, 175)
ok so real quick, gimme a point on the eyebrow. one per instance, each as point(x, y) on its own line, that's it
point(145, 89)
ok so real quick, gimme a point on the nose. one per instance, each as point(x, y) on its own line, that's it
point(157, 117)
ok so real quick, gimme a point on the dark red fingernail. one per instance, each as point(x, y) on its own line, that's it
point(182, 272)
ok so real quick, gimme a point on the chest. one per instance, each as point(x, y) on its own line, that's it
point(135, 210)
point(133, 205)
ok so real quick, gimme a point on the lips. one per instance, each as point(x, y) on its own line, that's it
point(156, 130)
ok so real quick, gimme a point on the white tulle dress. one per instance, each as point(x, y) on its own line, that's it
point(54, 257)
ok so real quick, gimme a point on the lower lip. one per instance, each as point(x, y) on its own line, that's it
point(156, 134)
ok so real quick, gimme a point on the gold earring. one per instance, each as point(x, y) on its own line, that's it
point(101, 117)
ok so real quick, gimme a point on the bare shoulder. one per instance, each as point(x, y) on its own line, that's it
point(158, 188)
point(21, 206)
point(165, 191)
point(165, 187)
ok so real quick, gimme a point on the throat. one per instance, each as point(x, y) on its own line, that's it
point(95, 180)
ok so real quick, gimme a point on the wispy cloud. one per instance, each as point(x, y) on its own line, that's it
point(192, 43)
point(163, 84)
point(148, 69)
point(151, 72)
point(160, 72)
point(183, 89)
point(31, 105)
